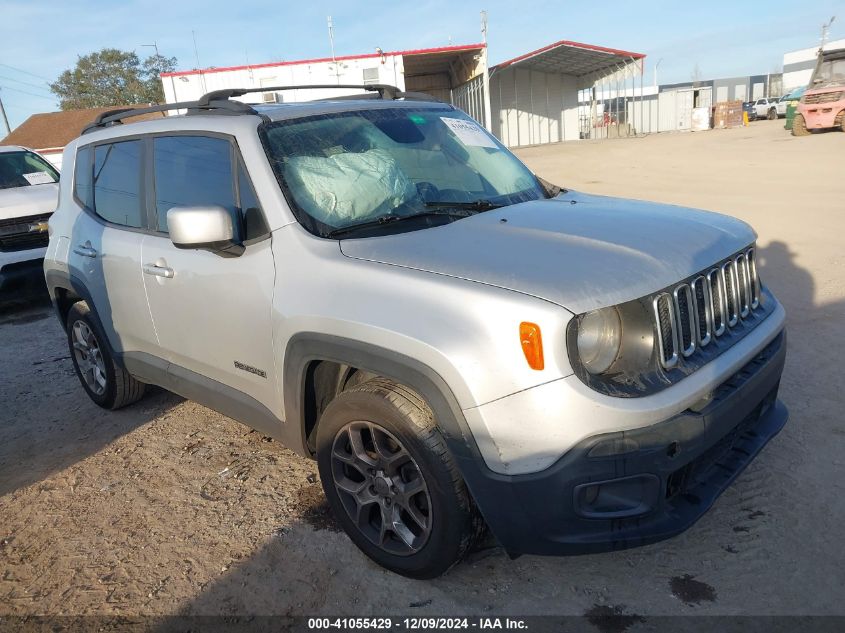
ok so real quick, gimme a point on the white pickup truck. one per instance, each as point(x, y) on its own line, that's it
point(784, 101)
point(767, 108)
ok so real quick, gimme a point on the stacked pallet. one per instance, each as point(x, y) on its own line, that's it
point(727, 114)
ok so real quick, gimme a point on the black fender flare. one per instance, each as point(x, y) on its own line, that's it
point(68, 281)
point(484, 484)
point(306, 347)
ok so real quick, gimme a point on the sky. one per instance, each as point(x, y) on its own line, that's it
point(41, 38)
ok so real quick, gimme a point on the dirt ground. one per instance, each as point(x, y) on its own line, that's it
point(167, 507)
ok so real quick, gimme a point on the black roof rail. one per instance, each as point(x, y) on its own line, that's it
point(385, 91)
point(117, 115)
point(219, 102)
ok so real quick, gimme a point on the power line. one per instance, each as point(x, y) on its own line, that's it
point(32, 94)
point(25, 83)
point(25, 72)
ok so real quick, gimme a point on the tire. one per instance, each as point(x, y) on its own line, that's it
point(799, 126)
point(772, 114)
point(840, 121)
point(411, 480)
point(106, 383)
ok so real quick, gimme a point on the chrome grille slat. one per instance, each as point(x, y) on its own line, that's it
point(667, 333)
point(685, 318)
point(693, 314)
point(717, 301)
point(743, 286)
point(731, 292)
point(751, 258)
point(703, 310)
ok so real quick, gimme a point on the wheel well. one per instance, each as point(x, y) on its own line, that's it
point(324, 380)
point(64, 300)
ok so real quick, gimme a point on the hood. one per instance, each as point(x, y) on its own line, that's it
point(20, 202)
point(579, 251)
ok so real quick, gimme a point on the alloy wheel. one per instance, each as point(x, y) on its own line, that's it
point(89, 357)
point(381, 488)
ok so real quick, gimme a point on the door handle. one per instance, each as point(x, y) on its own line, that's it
point(85, 250)
point(158, 271)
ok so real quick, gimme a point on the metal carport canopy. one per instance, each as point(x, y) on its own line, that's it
point(572, 58)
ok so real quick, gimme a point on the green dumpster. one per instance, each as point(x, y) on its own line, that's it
point(790, 114)
point(792, 100)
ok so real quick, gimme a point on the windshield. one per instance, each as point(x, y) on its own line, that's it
point(25, 169)
point(831, 71)
point(350, 168)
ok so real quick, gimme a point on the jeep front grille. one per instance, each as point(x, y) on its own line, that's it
point(693, 314)
point(16, 234)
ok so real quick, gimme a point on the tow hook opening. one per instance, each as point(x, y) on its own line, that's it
point(617, 498)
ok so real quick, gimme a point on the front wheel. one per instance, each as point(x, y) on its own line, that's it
point(391, 481)
point(799, 126)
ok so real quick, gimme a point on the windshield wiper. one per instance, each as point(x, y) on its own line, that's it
point(390, 219)
point(475, 205)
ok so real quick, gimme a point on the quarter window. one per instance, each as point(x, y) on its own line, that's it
point(254, 224)
point(117, 183)
point(82, 177)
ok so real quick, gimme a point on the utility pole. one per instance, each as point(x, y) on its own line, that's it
point(155, 46)
point(5, 120)
point(656, 66)
point(158, 56)
point(488, 115)
point(825, 29)
point(197, 56)
point(331, 43)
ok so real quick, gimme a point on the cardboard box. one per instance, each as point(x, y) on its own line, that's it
point(727, 114)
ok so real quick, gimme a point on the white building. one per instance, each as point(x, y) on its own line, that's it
point(447, 73)
point(798, 65)
point(532, 99)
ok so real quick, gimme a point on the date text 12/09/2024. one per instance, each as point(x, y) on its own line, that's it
point(414, 624)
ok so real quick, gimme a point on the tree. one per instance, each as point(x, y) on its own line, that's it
point(695, 75)
point(112, 77)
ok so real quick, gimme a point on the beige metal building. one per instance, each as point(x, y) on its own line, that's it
point(552, 94)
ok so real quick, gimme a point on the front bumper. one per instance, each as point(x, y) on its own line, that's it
point(630, 488)
point(21, 267)
point(822, 115)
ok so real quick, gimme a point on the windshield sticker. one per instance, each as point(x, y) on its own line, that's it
point(468, 132)
point(38, 178)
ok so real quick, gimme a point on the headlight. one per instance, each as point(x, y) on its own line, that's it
point(599, 339)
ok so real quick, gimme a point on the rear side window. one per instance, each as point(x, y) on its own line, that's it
point(192, 171)
point(117, 183)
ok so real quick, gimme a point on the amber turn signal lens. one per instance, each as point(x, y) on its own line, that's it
point(532, 344)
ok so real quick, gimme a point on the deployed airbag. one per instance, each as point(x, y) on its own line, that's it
point(348, 187)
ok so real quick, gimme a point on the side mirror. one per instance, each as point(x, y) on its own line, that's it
point(208, 228)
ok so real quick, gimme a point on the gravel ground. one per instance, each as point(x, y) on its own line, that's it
point(167, 507)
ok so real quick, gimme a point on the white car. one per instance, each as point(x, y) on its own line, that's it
point(766, 108)
point(785, 100)
point(29, 192)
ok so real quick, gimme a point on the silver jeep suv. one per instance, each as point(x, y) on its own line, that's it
point(380, 285)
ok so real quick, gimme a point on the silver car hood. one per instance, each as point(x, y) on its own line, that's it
point(579, 251)
point(31, 200)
